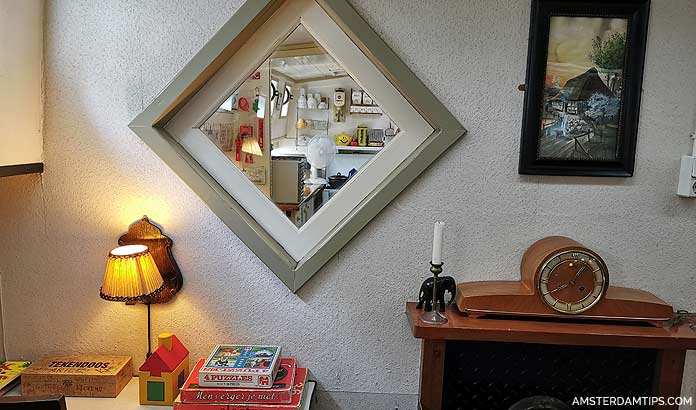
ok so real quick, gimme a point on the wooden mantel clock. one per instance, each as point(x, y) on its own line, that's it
point(561, 278)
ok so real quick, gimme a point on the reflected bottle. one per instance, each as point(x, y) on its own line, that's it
point(302, 99)
point(311, 101)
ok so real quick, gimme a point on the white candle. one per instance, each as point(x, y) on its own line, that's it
point(437, 243)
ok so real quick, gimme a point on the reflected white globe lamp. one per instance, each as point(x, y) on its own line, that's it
point(320, 152)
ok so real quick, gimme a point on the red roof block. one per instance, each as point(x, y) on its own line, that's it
point(165, 360)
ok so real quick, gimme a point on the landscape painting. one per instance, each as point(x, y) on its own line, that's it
point(583, 87)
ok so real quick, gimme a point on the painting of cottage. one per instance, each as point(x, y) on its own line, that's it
point(583, 90)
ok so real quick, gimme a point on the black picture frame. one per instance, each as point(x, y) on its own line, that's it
point(532, 162)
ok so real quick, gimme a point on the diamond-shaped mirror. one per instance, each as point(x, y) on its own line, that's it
point(300, 127)
point(286, 125)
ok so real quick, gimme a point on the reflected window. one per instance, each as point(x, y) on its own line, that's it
point(286, 103)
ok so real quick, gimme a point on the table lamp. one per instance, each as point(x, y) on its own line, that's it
point(133, 277)
point(250, 145)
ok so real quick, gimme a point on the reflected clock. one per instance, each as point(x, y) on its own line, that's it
point(560, 277)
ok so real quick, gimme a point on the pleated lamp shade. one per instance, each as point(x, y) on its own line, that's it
point(131, 275)
point(251, 146)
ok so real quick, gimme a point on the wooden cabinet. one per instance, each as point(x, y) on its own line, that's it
point(440, 354)
point(21, 72)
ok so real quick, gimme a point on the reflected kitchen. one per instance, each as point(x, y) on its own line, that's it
point(300, 127)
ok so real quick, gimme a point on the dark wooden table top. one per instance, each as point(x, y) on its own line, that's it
point(461, 327)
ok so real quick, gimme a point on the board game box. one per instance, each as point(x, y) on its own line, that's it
point(9, 374)
point(280, 391)
point(301, 399)
point(82, 376)
point(240, 366)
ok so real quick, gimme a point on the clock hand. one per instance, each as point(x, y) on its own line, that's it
point(563, 286)
point(580, 271)
point(572, 282)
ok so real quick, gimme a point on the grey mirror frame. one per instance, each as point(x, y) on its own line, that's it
point(149, 126)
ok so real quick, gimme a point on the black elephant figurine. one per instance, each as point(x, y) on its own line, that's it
point(444, 283)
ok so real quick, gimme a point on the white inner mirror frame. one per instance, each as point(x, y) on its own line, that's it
point(308, 239)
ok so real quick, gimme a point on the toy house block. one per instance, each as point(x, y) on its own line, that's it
point(164, 372)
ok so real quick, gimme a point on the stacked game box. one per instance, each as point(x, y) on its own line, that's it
point(245, 377)
point(240, 366)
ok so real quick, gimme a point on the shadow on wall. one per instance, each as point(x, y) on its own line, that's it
point(21, 198)
point(572, 180)
point(335, 400)
point(2, 326)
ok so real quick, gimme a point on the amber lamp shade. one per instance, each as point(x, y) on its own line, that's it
point(131, 275)
point(251, 146)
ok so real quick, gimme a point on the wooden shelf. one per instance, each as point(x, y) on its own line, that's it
point(9, 170)
point(129, 399)
point(461, 327)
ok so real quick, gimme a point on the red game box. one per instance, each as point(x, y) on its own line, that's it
point(280, 392)
point(300, 399)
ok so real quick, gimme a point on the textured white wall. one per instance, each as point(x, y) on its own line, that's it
point(107, 59)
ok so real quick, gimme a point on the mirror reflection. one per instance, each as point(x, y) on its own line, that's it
point(300, 127)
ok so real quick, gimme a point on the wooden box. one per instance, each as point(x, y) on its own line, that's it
point(82, 376)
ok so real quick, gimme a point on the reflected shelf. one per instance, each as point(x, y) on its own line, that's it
point(313, 109)
point(364, 150)
point(301, 151)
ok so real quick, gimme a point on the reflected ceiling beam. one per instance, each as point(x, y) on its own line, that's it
point(324, 78)
point(275, 74)
point(287, 78)
point(298, 50)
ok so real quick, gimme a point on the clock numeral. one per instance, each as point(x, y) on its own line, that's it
point(545, 281)
point(597, 270)
point(568, 306)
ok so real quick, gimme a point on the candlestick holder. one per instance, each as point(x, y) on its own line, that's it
point(434, 316)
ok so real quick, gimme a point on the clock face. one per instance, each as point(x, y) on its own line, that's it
point(572, 281)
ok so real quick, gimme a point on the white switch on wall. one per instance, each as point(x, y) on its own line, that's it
point(687, 175)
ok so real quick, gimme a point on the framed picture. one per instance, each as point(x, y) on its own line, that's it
point(583, 87)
